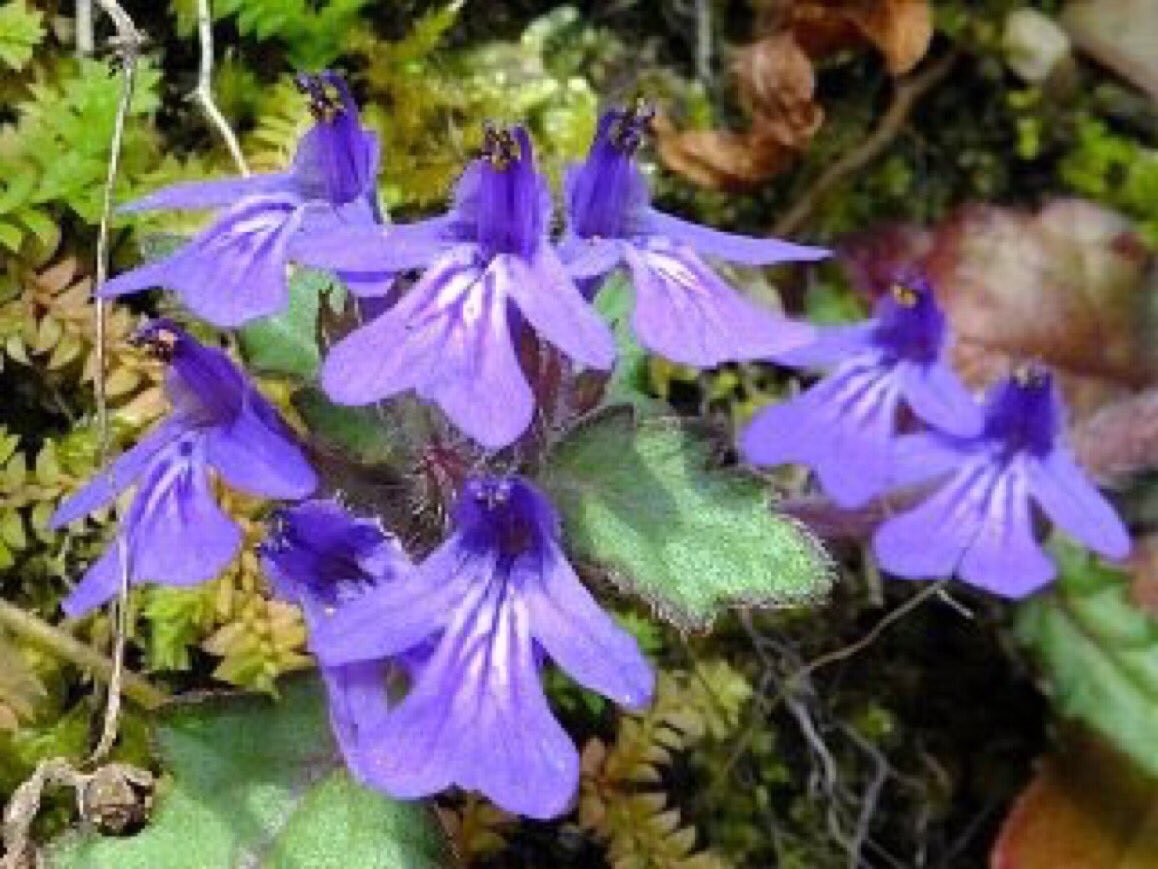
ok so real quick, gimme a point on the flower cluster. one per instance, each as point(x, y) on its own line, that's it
point(988, 464)
point(432, 669)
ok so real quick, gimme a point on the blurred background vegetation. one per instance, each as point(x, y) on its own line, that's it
point(1007, 146)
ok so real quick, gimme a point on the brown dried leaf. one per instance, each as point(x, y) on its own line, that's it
point(900, 29)
point(719, 159)
point(1121, 438)
point(1068, 285)
point(777, 87)
point(1085, 808)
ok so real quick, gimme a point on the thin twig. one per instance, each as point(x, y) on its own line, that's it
point(203, 93)
point(62, 645)
point(704, 41)
point(128, 46)
point(868, 639)
point(84, 31)
point(908, 92)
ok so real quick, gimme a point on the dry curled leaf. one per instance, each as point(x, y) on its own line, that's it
point(900, 29)
point(1085, 809)
point(720, 159)
point(777, 88)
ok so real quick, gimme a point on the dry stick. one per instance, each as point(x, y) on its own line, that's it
point(84, 31)
point(851, 649)
point(203, 93)
point(63, 645)
point(908, 92)
point(128, 46)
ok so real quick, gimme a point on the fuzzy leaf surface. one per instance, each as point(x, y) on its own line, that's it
point(643, 502)
point(257, 782)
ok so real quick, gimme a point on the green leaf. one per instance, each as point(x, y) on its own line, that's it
point(643, 501)
point(287, 343)
point(628, 383)
point(1098, 653)
point(359, 431)
point(256, 783)
point(21, 30)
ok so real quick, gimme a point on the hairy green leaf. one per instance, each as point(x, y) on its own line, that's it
point(1098, 652)
point(287, 343)
point(628, 383)
point(257, 783)
point(360, 431)
point(644, 502)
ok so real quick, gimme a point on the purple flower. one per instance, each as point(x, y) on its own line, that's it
point(844, 427)
point(174, 533)
point(322, 558)
point(499, 596)
point(449, 337)
point(979, 521)
point(683, 310)
point(235, 270)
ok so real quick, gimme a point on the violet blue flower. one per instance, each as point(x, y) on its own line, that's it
point(844, 426)
point(236, 269)
point(499, 596)
point(488, 267)
point(322, 558)
point(174, 533)
point(979, 521)
point(683, 310)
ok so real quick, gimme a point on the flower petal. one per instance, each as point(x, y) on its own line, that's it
point(684, 312)
point(578, 635)
point(929, 541)
point(552, 304)
point(385, 356)
point(121, 474)
point(257, 453)
point(358, 704)
point(375, 249)
point(920, 457)
point(179, 535)
point(742, 249)
point(449, 340)
point(217, 193)
point(586, 258)
point(831, 346)
point(842, 428)
point(978, 526)
point(100, 583)
point(391, 618)
point(477, 717)
point(233, 272)
point(1005, 557)
point(939, 398)
point(1066, 495)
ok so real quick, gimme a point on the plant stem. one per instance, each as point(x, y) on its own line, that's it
point(52, 639)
